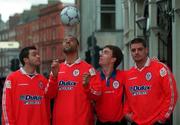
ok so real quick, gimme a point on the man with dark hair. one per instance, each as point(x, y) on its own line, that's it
point(151, 93)
point(109, 106)
point(73, 105)
point(24, 101)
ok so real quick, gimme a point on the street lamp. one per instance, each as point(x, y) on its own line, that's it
point(141, 22)
point(177, 10)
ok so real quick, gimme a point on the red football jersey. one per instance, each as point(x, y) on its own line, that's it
point(109, 106)
point(151, 93)
point(73, 105)
point(24, 101)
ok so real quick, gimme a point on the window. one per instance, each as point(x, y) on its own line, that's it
point(107, 14)
point(44, 53)
point(54, 34)
point(53, 20)
point(53, 53)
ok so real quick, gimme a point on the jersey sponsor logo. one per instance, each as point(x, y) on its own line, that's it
point(31, 99)
point(8, 84)
point(148, 76)
point(76, 72)
point(163, 72)
point(116, 84)
point(140, 90)
point(92, 71)
point(66, 85)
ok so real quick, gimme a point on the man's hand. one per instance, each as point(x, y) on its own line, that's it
point(86, 79)
point(155, 58)
point(129, 117)
point(55, 67)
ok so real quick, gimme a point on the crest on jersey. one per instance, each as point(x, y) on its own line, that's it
point(92, 71)
point(163, 72)
point(76, 72)
point(40, 84)
point(116, 84)
point(148, 76)
point(8, 84)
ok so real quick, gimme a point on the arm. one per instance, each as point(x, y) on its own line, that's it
point(91, 84)
point(170, 91)
point(7, 103)
point(95, 88)
point(52, 85)
point(128, 114)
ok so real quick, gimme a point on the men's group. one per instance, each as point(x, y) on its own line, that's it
point(146, 94)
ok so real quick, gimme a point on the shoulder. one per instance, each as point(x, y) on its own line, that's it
point(41, 77)
point(120, 72)
point(82, 62)
point(86, 66)
point(158, 65)
point(131, 70)
point(14, 74)
point(11, 78)
point(162, 68)
point(61, 64)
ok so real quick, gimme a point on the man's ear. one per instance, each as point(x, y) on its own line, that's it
point(25, 60)
point(114, 59)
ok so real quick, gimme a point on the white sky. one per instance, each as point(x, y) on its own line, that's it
point(10, 7)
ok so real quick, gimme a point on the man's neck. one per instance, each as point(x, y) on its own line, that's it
point(71, 58)
point(29, 69)
point(141, 63)
point(107, 70)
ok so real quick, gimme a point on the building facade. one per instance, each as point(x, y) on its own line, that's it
point(44, 30)
point(102, 20)
point(51, 34)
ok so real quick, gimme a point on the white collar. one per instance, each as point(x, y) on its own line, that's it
point(75, 62)
point(25, 73)
point(145, 65)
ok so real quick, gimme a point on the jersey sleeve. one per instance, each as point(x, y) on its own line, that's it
point(127, 110)
point(52, 86)
point(94, 87)
point(7, 102)
point(169, 88)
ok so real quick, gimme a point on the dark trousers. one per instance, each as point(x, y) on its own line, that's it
point(122, 122)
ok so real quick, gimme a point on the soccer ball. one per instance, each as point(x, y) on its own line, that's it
point(70, 16)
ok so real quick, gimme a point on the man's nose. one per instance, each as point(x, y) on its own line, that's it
point(38, 55)
point(136, 51)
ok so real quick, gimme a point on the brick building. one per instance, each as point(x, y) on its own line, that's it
point(51, 33)
point(44, 30)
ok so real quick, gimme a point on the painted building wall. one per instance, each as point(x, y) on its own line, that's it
point(91, 24)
